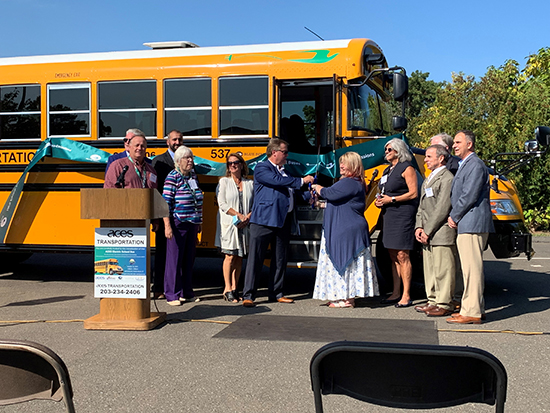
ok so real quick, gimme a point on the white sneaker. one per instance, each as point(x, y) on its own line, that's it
point(175, 302)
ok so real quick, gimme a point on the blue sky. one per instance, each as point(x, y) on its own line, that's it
point(439, 37)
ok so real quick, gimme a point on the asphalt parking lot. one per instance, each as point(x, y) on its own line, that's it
point(182, 367)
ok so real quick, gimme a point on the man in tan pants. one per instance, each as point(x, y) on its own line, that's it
point(437, 238)
point(471, 215)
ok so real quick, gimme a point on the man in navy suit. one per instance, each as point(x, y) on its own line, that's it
point(270, 222)
point(471, 216)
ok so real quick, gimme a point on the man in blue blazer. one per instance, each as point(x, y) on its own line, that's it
point(270, 222)
point(471, 216)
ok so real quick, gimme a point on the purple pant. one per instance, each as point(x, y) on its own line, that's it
point(180, 257)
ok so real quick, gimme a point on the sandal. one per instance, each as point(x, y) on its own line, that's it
point(351, 302)
point(228, 296)
point(236, 295)
point(340, 304)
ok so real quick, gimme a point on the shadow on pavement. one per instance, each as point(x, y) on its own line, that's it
point(48, 300)
point(512, 292)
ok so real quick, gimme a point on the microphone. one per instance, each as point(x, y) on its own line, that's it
point(373, 177)
point(120, 181)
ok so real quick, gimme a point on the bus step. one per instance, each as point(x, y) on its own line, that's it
point(309, 230)
point(307, 213)
point(302, 264)
point(304, 250)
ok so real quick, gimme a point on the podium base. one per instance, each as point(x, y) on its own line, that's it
point(97, 322)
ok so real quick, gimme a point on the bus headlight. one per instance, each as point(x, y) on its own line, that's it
point(504, 207)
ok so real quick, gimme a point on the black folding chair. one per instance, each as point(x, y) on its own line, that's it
point(408, 376)
point(30, 371)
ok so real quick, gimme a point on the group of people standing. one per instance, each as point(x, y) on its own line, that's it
point(345, 269)
point(450, 217)
point(252, 215)
point(176, 236)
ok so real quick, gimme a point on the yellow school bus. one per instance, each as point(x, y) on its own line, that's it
point(319, 96)
point(108, 266)
point(223, 99)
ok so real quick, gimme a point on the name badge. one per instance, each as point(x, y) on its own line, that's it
point(384, 179)
point(153, 178)
point(193, 184)
point(429, 192)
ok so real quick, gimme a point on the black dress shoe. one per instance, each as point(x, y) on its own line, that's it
point(388, 301)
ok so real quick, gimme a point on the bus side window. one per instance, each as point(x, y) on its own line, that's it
point(127, 104)
point(244, 105)
point(69, 109)
point(20, 112)
point(188, 106)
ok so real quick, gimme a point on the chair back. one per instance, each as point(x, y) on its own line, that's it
point(30, 371)
point(408, 376)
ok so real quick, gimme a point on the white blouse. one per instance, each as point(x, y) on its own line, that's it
point(227, 194)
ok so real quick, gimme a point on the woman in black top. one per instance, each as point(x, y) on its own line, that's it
point(398, 199)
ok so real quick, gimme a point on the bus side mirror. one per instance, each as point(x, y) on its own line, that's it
point(400, 87)
point(398, 123)
point(542, 133)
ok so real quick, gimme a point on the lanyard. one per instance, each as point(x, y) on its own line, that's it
point(141, 176)
point(191, 190)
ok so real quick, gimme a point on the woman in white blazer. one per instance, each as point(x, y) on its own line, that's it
point(234, 194)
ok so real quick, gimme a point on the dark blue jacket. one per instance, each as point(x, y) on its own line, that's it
point(271, 196)
point(345, 227)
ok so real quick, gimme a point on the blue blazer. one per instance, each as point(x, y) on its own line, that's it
point(470, 197)
point(271, 196)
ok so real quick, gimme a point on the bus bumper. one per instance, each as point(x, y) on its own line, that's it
point(510, 239)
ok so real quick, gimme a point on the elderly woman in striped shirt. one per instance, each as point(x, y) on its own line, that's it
point(184, 198)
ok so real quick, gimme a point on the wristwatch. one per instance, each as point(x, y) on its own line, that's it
point(393, 201)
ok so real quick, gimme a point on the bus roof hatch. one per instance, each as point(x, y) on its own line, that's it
point(170, 45)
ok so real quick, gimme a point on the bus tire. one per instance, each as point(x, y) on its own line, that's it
point(111, 272)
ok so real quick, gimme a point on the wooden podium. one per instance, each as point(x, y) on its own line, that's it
point(124, 208)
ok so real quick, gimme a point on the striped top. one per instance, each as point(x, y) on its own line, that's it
point(185, 203)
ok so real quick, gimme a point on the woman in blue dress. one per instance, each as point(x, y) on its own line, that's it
point(345, 269)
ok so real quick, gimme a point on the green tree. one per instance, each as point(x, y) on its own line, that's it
point(502, 109)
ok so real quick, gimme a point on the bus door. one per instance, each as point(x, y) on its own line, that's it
point(306, 120)
point(306, 114)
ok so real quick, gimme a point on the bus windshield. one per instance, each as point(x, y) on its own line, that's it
point(366, 110)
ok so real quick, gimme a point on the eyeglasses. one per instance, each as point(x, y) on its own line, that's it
point(388, 149)
point(283, 152)
point(233, 162)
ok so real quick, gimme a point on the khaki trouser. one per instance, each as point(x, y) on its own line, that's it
point(470, 251)
point(439, 274)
